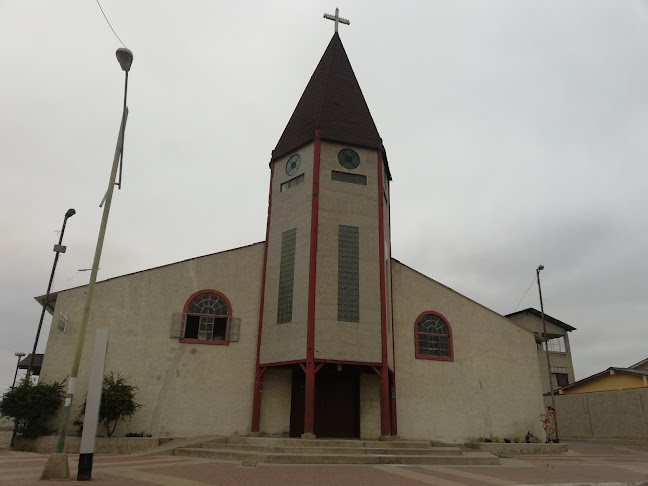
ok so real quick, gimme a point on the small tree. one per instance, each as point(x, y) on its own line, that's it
point(32, 405)
point(117, 403)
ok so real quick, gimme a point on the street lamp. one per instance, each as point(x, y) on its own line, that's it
point(20, 355)
point(125, 59)
point(58, 249)
point(544, 331)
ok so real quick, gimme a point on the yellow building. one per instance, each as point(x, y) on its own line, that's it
point(612, 379)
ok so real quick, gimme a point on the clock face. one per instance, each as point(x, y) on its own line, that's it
point(348, 159)
point(292, 166)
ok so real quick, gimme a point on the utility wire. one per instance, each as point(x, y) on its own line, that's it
point(111, 27)
point(525, 294)
point(6, 349)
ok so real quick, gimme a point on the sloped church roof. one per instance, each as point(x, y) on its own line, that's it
point(333, 103)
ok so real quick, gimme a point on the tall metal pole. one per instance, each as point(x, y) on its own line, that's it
point(58, 249)
point(65, 417)
point(544, 330)
point(15, 429)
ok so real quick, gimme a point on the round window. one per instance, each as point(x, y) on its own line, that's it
point(348, 159)
point(292, 166)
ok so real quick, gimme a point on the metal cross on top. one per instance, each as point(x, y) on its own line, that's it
point(336, 18)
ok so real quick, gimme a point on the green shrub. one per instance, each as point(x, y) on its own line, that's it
point(32, 405)
point(117, 403)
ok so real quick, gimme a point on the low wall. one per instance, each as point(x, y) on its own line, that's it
point(517, 448)
point(5, 438)
point(608, 415)
point(103, 445)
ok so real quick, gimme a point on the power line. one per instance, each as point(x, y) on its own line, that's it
point(111, 27)
point(525, 294)
point(5, 348)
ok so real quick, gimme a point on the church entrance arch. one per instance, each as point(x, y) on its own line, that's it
point(337, 402)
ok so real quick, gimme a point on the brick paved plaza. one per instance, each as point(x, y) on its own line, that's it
point(584, 463)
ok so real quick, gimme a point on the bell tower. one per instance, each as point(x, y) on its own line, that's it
point(326, 305)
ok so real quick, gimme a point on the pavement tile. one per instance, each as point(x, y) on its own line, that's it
point(583, 464)
point(466, 477)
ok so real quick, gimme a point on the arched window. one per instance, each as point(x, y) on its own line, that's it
point(433, 337)
point(206, 318)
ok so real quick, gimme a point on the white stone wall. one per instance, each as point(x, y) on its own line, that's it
point(353, 205)
point(369, 406)
point(387, 264)
point(275, 402)
point(290, 209)
point(491, 388)
point(185, 389)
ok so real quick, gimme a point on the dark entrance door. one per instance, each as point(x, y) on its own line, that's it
point(297, 403)
point(337, 402)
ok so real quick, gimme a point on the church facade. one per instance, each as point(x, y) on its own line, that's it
point(318, 330)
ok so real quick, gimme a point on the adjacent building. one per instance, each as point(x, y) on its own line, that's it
point(554, 346)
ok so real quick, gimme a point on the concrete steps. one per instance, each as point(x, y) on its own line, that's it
point(332, 451)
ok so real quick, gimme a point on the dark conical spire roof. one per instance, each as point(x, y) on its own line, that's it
point(333, 103)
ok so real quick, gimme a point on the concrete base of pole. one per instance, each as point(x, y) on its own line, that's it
point(57, 467)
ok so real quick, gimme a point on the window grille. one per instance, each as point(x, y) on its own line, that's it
point(286, 276)
point(207, 319)
point(433, 338)
point(348, 274)
point(556, 345)
point(350, 178)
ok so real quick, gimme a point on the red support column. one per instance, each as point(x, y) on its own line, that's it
point(309, 387)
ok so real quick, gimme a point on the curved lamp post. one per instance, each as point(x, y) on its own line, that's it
point(125, 59)
point(58, 249)
point(544, 331)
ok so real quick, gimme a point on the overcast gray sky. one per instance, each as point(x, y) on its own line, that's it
point(516, 134)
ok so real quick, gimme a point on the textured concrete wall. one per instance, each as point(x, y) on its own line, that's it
point(353, 205)
point(290, 209)
point(491, 388)
point(603, 415)
point(275, 402)
point(186, 389)
point(369, 406)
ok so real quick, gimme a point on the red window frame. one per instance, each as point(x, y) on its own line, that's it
point(292, 183)
point(348, 177)
point(450, 357)
point(186, 309)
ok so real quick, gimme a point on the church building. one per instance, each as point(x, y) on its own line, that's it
point(318, 330)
